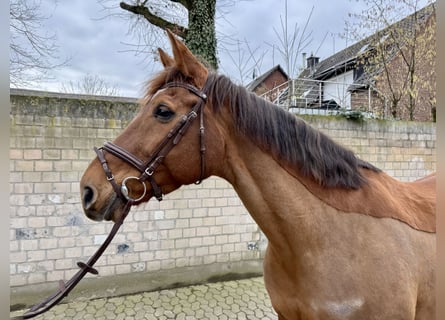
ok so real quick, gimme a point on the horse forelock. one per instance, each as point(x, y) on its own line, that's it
point(289, 138)
point(167, 75)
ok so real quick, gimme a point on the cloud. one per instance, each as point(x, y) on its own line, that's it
point(96, 46)
point(259, 22)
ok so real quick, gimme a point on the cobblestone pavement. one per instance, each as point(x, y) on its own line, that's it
point(241, 299)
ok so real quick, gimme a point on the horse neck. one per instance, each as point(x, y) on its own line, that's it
point(280, 204)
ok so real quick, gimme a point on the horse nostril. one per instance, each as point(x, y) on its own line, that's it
point(88, 197)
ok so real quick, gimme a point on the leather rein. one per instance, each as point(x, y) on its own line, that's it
point(147, 169)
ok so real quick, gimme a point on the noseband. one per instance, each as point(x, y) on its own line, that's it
point(147, 168)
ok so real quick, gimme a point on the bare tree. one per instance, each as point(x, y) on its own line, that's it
point(32, 52)
point(194, 22)
point(191, 20)
point(293, 42)
point(247, 61)
point(91, 85)
point(400, 56)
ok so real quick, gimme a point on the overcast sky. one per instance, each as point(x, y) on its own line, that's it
point(98, 45)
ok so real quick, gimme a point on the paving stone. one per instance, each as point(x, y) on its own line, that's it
point(243, 300)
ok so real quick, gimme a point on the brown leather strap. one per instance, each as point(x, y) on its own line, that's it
point(173, 137)
point(187, 86)
point(66, 287)
point(124, 155)
point(203, 146)
point(110, 176)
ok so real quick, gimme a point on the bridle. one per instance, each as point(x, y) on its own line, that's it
point(147, 170)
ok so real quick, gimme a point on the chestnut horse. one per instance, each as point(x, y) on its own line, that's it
point(345, 240)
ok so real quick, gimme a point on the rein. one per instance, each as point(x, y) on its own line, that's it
point(147, 170)
point(66, 287)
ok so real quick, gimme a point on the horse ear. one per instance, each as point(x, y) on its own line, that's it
point(186, 62)
point(166, 60)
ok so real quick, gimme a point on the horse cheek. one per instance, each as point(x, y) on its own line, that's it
point(185, 169)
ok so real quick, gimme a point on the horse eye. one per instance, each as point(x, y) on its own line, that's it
point(163, 113)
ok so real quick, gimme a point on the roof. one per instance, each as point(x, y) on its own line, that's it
point(341, 59)
point(259, 80)
point(345, 59)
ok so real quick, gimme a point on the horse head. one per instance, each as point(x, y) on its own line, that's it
point(164, 146)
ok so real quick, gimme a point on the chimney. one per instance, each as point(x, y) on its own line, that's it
point(304, 60)
point(312, 62)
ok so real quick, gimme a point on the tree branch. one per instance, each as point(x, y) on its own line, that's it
point(186, 3)
point(156, 20)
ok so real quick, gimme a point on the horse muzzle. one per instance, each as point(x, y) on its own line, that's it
point(95, 210)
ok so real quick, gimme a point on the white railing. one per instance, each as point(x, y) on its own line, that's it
point(308, 96)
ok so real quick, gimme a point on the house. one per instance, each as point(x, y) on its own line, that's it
point(269, 83)
point(373, 74)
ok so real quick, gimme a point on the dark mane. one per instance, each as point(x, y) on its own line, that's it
point(288, 137)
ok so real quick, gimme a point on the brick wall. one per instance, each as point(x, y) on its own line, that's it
point(272, 81)
point(403, 149)
point(51, 140)
point(424, 69)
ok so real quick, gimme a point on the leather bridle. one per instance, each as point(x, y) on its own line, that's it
point(147, 170)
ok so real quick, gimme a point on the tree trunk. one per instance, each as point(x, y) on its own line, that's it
point(394, 105)
point(201, 35)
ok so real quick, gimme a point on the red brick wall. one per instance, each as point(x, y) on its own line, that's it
point(425, 89)
point(273, 80)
